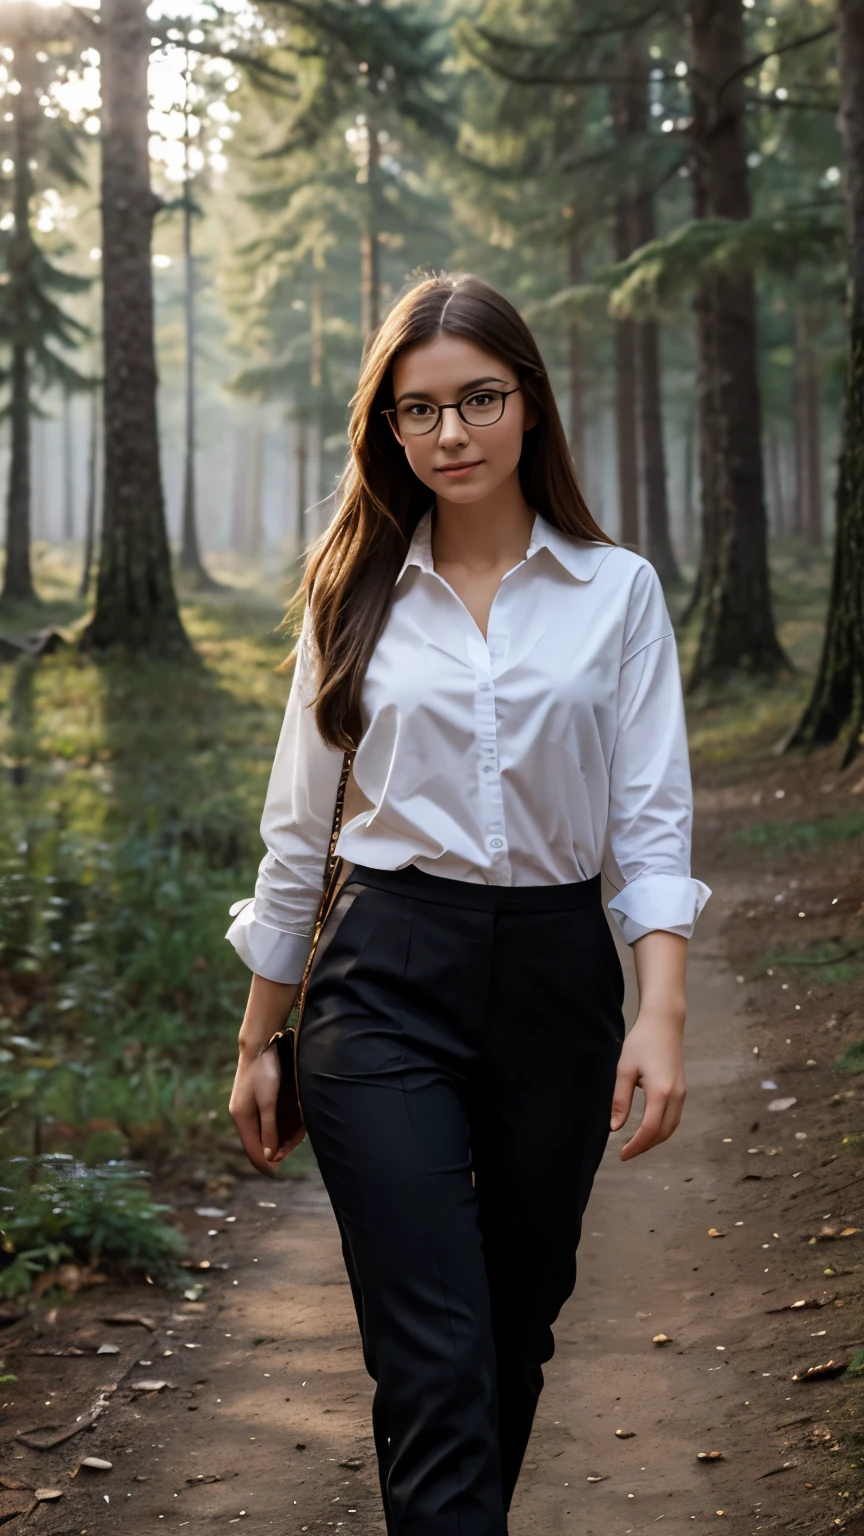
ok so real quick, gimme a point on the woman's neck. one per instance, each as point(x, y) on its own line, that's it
point(479, 535)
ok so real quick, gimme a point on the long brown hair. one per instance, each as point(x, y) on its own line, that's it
point(352, 568)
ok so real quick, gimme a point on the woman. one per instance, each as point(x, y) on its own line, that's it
point(509, 678)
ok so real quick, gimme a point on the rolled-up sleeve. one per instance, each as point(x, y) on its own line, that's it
point(272, 930)
point(650, 797)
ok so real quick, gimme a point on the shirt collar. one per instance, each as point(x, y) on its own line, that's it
point(582, 558)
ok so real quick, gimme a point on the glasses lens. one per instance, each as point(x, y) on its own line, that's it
point(483, 407)
point(414, 417)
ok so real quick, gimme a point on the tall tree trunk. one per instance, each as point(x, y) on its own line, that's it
point(836, 705)
point(657, 540)
point(68, 472)
point(624, 104)
point(738, 625)
point(256, 518)
point(810, 513)
point(18, 577)
point(370, 248)
point(688, 497)
point(576, 422)
point(135, 601)
point(301, 462)
point(775, 500)
point(190, 549)
point(92, 491)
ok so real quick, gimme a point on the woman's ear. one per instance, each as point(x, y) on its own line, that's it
point(532, 417)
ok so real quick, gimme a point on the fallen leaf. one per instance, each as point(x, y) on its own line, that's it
point(212, 1211)
point(777, 1104)
point(108, 1349)
point(710, 1456)
point(662, 1338)
point(715, 1232)
point(97, 1464)
point(602, 1479)
point(44, 1494)
point(772, 1470)
point(203, 1477)
point(625, 1434)
point(14, 1485)
point(148, 1386)
point(353, 1464)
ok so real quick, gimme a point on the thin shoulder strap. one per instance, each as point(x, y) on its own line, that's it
point(338, 813)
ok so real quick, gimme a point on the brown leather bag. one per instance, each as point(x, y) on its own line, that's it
point(289, 1112)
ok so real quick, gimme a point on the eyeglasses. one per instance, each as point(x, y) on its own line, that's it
point(482, 408)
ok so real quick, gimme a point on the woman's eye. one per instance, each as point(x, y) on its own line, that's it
point(419, 409)
point(482, 398)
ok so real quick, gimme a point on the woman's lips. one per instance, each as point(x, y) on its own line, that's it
point(457, 471)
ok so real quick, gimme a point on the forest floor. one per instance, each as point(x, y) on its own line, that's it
point(743, 1206)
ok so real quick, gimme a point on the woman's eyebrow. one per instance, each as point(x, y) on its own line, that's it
point(464, 389)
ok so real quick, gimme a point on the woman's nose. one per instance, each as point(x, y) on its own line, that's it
point(452, 429)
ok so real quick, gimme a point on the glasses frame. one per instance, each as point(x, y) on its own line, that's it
point(455, 405)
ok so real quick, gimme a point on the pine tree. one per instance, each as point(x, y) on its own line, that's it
point(36, 334)
point(836, 705)
point(135, 601)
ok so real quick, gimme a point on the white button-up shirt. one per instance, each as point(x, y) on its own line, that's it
point(552, 748)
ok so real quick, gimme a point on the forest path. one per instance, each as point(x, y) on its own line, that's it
point(267, 1398)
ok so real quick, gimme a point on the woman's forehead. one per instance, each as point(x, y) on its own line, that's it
point(447, 362)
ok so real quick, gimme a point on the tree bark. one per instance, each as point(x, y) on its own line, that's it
point(775, 482)
point(92, 492)
point(658, 541)
point(836, 705)
point(191, 562)
point(18, 576)
point(68, 472)
point(301, 462)
point(576, 412)
point(370, 250)
point(738, 632)
point(256, 519)
point(809, 490)
point(624, 104)
point(135, 600)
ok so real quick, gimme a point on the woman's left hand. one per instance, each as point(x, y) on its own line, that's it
point(652, 1058)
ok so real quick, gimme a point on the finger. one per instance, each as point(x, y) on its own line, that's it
point(269, 1133)
point(622, 1099)
point(671, 1115)
point(249, 1131)
point(647, 1133)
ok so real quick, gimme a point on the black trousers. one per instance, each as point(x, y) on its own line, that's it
point(456, 1063)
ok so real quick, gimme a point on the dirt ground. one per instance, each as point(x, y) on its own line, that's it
point(713, 1240)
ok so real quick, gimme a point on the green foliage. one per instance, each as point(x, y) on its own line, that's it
point(128, 827)
point(55, 1208)
point(789, 836)
point(852, 1059)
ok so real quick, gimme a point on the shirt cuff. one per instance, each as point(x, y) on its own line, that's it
point(269, 952)
point(652, 902)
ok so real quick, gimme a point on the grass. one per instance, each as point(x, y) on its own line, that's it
point(787, 837)
point(129, 824)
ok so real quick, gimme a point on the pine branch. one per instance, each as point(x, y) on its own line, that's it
point(774, 53)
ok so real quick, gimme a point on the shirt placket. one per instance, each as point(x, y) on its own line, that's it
point(487, 659)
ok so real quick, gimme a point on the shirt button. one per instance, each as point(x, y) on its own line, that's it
point(496, 842)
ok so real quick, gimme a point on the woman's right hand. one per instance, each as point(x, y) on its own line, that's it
point(256, 1083)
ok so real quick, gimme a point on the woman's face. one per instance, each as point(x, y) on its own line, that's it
point(459, 461)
